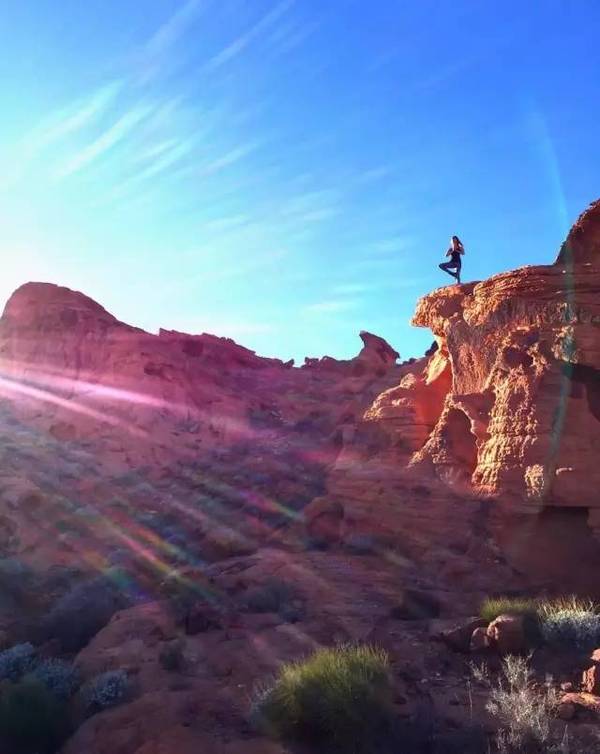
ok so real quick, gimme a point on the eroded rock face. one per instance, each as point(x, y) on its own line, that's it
point(505, 410)
point(114, 429)
point(521, 418)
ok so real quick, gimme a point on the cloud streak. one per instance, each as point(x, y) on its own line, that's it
point(158, 48)
point(332, 306)
point(106, 141)
point(74, 118)
point(235, 48)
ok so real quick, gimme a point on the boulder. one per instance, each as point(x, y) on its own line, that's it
point(480, 641)
point(566, 710)
point(590, 681)
point(507, 635)
point(459, 637)
point(585, 705)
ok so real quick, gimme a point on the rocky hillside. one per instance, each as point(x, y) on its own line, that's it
point(499, 425)
point(231, 511)
point(106, 428)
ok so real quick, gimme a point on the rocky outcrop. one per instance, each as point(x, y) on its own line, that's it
point(123, 425)
point(522, 417)
point(505, 411)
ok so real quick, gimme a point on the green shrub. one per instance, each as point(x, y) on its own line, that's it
point(339, 697)
point(105, 690)
point(570, 622)
point(60, 677)
point(83, 611)
point(274, 596)
point(492, 607)
point(171, 656)
point(32, 720)
point(16, 661)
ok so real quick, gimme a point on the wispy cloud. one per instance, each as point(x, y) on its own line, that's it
point(157, 49)
point(244, 40)
point(226, 160)
point(167, 158)
point(445, 74)
point(391, 245)
point(374, 174)
point(56, 127)
point(227, 223)
point(349, 289)
point(73, 118)
point(112, 136)
point(332, 306)
point(312, 206)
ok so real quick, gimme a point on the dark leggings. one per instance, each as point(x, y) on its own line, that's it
point(449, 266)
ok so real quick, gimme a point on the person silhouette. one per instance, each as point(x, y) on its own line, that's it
point(455, 252)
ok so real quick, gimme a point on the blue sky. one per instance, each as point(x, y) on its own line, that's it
point(288, 173)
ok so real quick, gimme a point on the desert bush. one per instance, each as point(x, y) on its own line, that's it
point(274, 596)
point(268, 597)
point(58, 676)
point(105, 690)
point(83, 611)
point(492, 607)
point(16, 661)
point(338, 697)
point(171, 656)
point(570, 622)
point(32, 720)
point(522, 711)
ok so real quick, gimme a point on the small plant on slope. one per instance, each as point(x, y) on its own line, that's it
point(32, 720)
point(105, 690)
point(171, 656)
point(338, 697)
point(492, 607)
point(570, 622)
point(17, 661)
point(58, 676)
point(522, 711)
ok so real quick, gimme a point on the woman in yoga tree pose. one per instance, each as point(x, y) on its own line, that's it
point(455, 252)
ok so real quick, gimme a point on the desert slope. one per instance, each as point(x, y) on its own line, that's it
point(232, 512)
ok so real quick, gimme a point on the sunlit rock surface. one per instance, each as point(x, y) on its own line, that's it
point(103, 424)
point(501, 421)
point(386, 498)
point(522, 417)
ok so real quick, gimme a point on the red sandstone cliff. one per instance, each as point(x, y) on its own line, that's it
point(186, 454)
point(522, 416)
point(94, 410)
point(507, 409)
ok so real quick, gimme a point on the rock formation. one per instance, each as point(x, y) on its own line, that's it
point(134, 423)
point(522, 417)
point(380, 499)
point(505, 410)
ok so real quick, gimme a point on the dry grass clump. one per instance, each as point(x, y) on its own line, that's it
point(570, 622)
point(561, 622)
point(339, 697)
point(492, 607)
point(522, 710)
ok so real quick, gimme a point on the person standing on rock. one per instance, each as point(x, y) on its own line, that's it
point(455, 252)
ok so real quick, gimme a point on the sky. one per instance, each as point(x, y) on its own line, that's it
point(288, 172)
